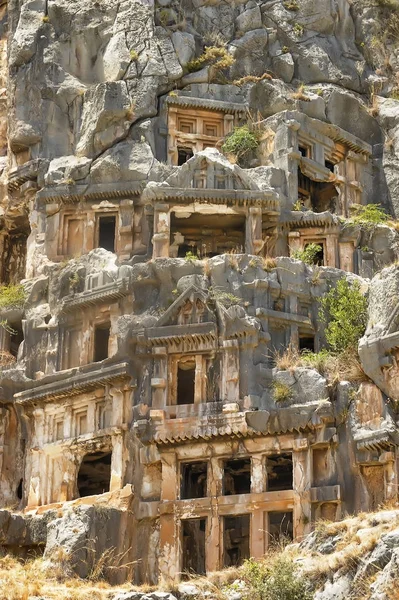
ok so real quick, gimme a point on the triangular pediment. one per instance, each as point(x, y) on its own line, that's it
point(210, 169)
point(190, 308)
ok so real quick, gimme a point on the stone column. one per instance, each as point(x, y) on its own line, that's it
point(253, 237)
point(117, 463)
point(161, 237)
point(117, 396)
point(212, 542)
point(230, 371)
point(331, 250)
point(37, 471)
point(302, 465)
point(169, 540)
point(258, 475)
point(172, 126)
point(160, 379)
point(200, 374)
point(294, 242)
point(91, 416)
point(257, 536)
point(68, 422)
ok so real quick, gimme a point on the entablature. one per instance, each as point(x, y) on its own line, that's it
point(75, 381)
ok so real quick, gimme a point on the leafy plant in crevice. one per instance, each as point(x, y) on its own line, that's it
point(343, 310)
point(309, 254)
point(191, 257)
point(12, 296)
point(216, 56)
point(368, 215)
point(281, 391)
point(241, 142)
point(226, 299)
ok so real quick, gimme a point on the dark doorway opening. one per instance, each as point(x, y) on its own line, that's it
point(193, 480)
point(94, 474)
point(237, 476)
point(235, 540)
point(183, 155)
point(319, 255)
point(185, 382)
point(318, 196)
point(106, 233)
point(280, 527)
point(101, 340)
point(16, 338)
point(208, 235)
point(329, 165)
point(306, 343)
point(193, 546)
point(279, 472)
point(20, 489)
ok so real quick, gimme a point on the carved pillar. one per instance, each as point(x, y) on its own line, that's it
point(331, 250)
point(169, 539)
point(117, 463)
point(257, 536)
point(117, 396)
point(212, 542)
point(172, 127)
point(302, 465)
point(294, 242)
point(230, 371)
point(159, 381)
point(68, 422)
point(38, 467)
point(161, 237)
point(200, 375)
point(258, 475)
point(253, 238)
point(91, 416)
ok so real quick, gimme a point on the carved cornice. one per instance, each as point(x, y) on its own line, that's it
point(268, 200)
point(73, 382)
point(215, 105)
point(111, 291)
point(70, 194)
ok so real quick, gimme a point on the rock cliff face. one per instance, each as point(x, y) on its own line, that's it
point(183, 184)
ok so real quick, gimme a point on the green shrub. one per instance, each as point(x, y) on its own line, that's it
point(276, 579)
point(281, 391)
point(224, 298)
point(240, 142)
point(309, 254)
point(12, 296)
point(368, 215)
point(344, 312)
point(191, 257)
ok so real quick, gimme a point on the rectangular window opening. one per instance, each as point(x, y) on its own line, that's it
point(106, 233)
point(237, 476)
point(319, 256)
point(183, 155)
point(306, 343)
point(235, 540)
point(279, 472)
point(16, 338)
point(193, 546)
point(329, 165)
point(185, 382)
point(280, 527)
point(193, 480)
point(101, 340)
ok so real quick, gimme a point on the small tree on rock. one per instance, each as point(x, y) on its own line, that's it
point(344, 312)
